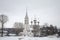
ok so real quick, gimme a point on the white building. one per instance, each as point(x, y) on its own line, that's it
point(27, 31)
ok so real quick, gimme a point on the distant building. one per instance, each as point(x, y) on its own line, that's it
point(36, 28)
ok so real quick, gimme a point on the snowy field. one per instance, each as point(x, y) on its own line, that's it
point(29, 38)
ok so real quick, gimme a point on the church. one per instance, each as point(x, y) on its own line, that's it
point(29, 28)
point(26, 31)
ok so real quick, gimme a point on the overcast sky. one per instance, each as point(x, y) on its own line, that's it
point(47, 11)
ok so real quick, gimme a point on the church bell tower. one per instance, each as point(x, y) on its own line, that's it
point(26, 24)
point(26, 18)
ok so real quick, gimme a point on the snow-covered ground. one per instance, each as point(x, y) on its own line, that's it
point(28, 38)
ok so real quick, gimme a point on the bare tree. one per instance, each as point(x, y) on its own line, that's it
point(18, 25)
point(3, 19)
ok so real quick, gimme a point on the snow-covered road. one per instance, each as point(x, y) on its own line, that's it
point(29, 38)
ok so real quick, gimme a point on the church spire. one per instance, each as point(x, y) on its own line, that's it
point(26, 18)
point(26, 14)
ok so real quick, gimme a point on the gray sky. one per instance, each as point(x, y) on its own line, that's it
point(47, 11)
